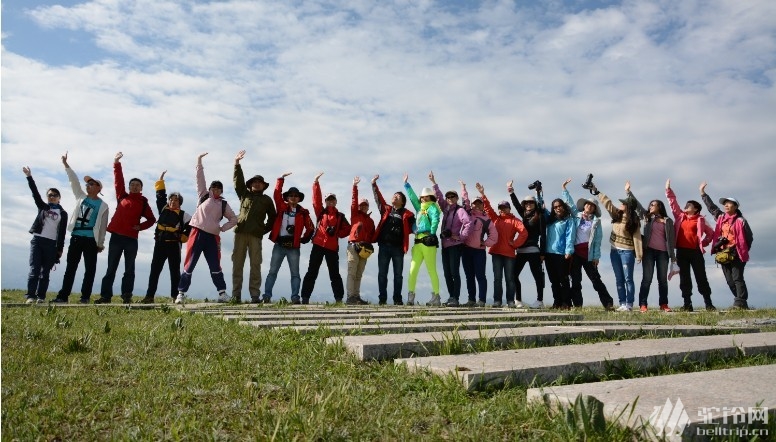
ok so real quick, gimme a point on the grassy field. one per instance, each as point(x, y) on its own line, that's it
point(130, 374)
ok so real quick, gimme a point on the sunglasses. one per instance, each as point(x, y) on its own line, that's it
point(52, 195)
point(92, 183)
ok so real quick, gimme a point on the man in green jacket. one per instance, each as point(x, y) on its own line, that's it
point(257, 215)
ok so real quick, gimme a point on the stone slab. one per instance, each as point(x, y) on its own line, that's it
point(711, 400)
point(381, 329)
point(547, 364)
point(293, 320)
point(382, 347)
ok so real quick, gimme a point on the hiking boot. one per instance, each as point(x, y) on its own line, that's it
point(266, 300)
point(452, 302)
point(687, 308)
point(480, 303)
point(338, 301)
point(102, 300)
point(511, 304)
point(434, 301)
point(643, 309)
point(305, 301)
point(470, 304)
point(609, 308)
point(296, 300)
point(496, 304)
point(222, 297)
point(384, 302)
point(537, 305)
point(711, 308)
point(396, 302)
point(254, 300)
point(411, 298)
point(519, 304)
point(181, 299)
point(83, 300)
point(59, 301)
point(355, 300)
point(126, 298)
point(665, 308)
point(147, 300)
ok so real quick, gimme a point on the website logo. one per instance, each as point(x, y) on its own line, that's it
point(669, 419)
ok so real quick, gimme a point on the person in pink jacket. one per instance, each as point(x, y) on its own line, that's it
point(205, 234)
point(693, 234)
point(481, 233)
point(733, 235)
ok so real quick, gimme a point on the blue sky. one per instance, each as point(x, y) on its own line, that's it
point(479, 91)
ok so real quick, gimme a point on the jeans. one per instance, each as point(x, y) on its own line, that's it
point(654, 258)
point(534, 261)
point(278, 254)
point(503, 267)
point(80, 245)
point(451, 268)
point(317, 255)
point(249, 246)
point(558, 270)
point(120, 245)
point(623, 262)
point(688, 259)
point(474, 261)
point(165, 251)
point(387, 254)
point(577, 264)
point(43, 255)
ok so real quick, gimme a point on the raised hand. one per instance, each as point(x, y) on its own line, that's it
point(161, 177)
point(627, 186)
point(285, 174)
point(27, 171)
point(118, 157)
point(240, 155)
point(668, 183)
point(479, 188)
point(199, 158)
point(463, 185)
point(702, 188)
point(375, 178)
point(431, 177)
point(566, 183)
point(356, 180)
point(64, 159)
point(315, 180)
point(406, 177)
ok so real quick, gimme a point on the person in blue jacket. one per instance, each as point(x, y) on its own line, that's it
point(559, 249)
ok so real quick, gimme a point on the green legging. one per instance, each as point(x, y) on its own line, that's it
point(428, 254)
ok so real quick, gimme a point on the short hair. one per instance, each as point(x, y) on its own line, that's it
point(402, 197)
point(55, 190)
point(138, 180)
point(696, 205)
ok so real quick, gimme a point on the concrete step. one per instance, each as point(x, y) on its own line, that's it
point(382, 347)
point(548, 364)
point(421, 327)
point(693, 406)
point(356, 319)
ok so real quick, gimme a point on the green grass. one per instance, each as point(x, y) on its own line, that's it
point(130, 374)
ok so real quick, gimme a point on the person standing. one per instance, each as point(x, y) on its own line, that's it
point(256, 217)
point(625, 242)
point(511, 235)
point(332, 225)
point(362, 232)
point(87, 234)
point(428, 214)
point(587, 249)
point(293, 227)
point(453, 235)
point(561, 236)
point(205, 236)
point(124, 227)
point(482, 234)
point(532, 251)
point(734, 238)
point(392, 235)
point(659, 245)
point(693, 234)
point(48, 239)
point(172, 230)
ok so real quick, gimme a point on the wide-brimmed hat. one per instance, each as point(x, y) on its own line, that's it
point(427, 191)
point(731, 199)
point(258, 178)
point(293, 190)
point(529, 199)
point(581, 205)
point(504, 203)
point(88, 179)
point(451, 193)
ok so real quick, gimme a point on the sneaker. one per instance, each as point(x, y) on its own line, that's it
point(452, 302)
point(30, 301)
point(254, 300)
point(411, 298)
point(397, 302)
point(222, 297)
point(537, 305)
point(355, 300)
point(384, 302)
point(266, 300)
point(687, 308)
point(181, 299)
point(305, 301)
point(42, 300)
point(58, 301)
point(296, 300)
point(623, 308)
point(102, 300)
point(643, 309)
point(126, 299)
point(337, 301)
point(711, 308)
point(519, 304)
point(147, 300)
point(471, 304)
point(497, 304)
point(665, 308)
point(83, 301)
point(434, 301)
point(480, 303)
point(511, 304)
point(610, 308)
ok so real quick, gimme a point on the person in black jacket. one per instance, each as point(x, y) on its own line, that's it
point(172, 229)
point(530, 253)
point(48, 240)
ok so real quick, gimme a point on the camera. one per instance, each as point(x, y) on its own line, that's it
point(447, 233)
point(536, 185)
point(290, 229)
point(720, 244)
point(588, 184)
point(330, 230)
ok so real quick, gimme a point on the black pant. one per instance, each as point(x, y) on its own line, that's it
point(577, 264)
point(451, 267)
point(734, 275)
point(534, 261)
point(317, 254)
point(169, 251)
point(558, 271)
point(692, 259)
point(119, 246)
point(80, 245)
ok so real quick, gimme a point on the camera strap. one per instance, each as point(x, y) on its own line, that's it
point(450, 218)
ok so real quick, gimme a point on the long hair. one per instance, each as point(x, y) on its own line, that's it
point(630, 217)
point(661, 210)
point(565, 214)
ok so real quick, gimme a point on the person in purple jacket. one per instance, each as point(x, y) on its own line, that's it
point(453, 235)
point(482, 233)
point(204, 238)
